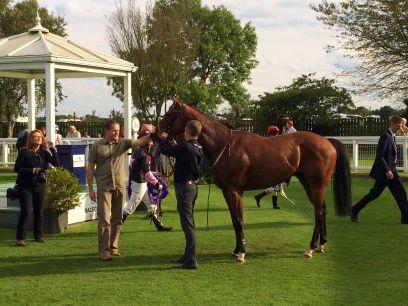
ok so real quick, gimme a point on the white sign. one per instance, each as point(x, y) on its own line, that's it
point(135, 125)
point(87, 210)
point(78, 160)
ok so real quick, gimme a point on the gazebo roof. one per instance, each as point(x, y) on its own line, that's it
point(24, 55)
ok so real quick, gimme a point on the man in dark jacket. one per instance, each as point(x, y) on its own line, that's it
point(188, 156)
point(384, 171)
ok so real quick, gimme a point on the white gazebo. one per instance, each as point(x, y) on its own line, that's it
point(39, 54)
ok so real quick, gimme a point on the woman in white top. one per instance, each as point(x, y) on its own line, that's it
point(288, 128)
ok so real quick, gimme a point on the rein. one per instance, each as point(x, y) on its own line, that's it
point(227, 145)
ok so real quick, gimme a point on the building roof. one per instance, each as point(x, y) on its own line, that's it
point(22, 55)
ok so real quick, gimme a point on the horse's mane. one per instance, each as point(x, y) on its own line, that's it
point(224, 122)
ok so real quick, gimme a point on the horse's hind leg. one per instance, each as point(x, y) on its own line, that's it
point(234, 201)
point(323, 231)
point(318, 203)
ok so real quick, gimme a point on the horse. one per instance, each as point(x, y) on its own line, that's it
point(242, 161)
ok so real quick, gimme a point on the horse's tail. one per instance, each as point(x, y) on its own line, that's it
point(342, 179)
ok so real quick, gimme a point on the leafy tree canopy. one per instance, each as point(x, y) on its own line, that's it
point(374, 32)
point(181, 47)
point(307, 97)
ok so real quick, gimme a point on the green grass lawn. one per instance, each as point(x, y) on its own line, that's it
point(7, 178)
point(364, 263)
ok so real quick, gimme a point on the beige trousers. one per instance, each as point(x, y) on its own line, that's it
point(110, 207)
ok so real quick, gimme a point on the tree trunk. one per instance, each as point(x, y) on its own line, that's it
point(237, 115)
point(7, 129)
point(10, 128)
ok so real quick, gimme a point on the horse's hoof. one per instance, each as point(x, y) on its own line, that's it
point(234, 255)
point(241, 258)
point(308, 254)
point(320, 249)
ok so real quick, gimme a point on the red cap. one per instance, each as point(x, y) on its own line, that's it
point(272, 129)
point(143, 133)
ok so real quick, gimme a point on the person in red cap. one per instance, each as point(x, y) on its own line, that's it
point(271, 131)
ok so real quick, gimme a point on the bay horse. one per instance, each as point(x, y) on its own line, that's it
point(242, 161)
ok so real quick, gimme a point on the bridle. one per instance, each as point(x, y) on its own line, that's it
point(167, 128)
point(227, 145)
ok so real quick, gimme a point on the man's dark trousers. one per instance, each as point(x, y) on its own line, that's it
point(186, 194)
point(397, 190)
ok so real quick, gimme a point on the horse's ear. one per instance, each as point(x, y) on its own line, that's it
point(176, 99)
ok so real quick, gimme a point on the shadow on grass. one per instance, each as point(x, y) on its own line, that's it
point(261, 225)
point(12, 241)
point(88, 263)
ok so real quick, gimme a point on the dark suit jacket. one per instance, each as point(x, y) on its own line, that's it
point(385, 157)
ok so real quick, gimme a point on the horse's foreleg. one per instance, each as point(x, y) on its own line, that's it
point(235, 205)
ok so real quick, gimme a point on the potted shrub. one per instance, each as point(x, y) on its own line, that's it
point(62, 194)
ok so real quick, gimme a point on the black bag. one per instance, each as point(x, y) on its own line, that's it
point(12, 193)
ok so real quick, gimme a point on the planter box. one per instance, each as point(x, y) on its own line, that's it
point(54, 223)
point(85, 211)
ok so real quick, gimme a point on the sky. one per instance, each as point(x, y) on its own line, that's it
point(291, 42)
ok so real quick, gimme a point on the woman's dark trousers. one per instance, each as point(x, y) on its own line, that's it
point(31, 198)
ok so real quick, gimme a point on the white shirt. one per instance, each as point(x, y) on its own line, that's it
point(289, 130)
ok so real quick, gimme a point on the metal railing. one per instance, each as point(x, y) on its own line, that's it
point(8, 150)
point(362, 150)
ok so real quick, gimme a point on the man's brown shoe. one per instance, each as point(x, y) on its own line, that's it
point(105, 257)
point(115, 254)
point(21, 243)
point(40, 240)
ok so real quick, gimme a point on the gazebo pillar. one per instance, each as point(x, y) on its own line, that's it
point(50, 100)
point(127, 112)
point(31, 104)
point(127, 104)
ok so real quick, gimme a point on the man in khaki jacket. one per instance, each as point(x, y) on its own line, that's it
point(108, 155)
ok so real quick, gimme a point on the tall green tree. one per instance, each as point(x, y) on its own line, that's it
point(225, 59)
point(204, 55)
point(375, 34)
point(162, 42)
point(307, 97)
point(15, 19)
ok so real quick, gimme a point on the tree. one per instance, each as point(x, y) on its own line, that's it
point(385, 112)
point(13, 92)
point(162, 43)
point(225, 59)
point(204, 55)
point(362, 111)
point(116, 115)
point(305, 98)
point(374, 32)
point(92, 117)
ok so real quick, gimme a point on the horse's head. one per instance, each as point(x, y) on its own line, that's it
point(175, 119)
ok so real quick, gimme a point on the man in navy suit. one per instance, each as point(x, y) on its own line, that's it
point(384, 171)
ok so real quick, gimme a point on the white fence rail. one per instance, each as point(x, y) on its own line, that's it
point(362, 150)
point(8, 150)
